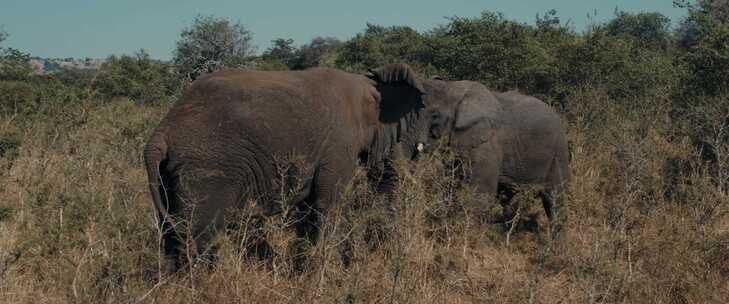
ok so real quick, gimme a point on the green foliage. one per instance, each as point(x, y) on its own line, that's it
point(136, 77)
point(41, 98)
point(708, 62)
point(268, 64)
point(621, 66)
point(14, 64)
point(321, 51)
point(79, 79)
point(488, 49)
point(283, 55)
point(705, 39)
point(701, 14)
point(280, 56)
point(630, 55)
point(651, 30)
point(380, 45)
point(15, 96)
point(210, 44)
point(9, 146)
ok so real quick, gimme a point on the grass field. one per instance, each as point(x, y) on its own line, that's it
point(648, 222)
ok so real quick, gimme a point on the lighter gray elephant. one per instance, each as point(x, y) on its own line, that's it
point(509, 139)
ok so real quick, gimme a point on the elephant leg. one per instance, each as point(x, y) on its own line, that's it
point(331, 181)
point(485, 167)
point(307, 218)
point(548, 201)
point(554, 201)
point(308, 230)
point(212, 199)
point(254, 239)
point(205, 226)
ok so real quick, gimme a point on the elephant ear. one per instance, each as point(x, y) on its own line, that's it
point(396, 73)
point(477, 106)
point(400, 91)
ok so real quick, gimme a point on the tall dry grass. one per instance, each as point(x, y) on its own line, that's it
point(648, 223)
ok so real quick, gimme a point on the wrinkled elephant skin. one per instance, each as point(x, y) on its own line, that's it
point(234, 133)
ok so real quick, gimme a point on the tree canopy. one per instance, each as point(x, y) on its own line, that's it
point(211, 43)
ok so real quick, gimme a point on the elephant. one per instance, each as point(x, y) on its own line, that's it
point(509, 139)
point(233, 134)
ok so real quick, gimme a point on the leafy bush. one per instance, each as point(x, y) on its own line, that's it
point(380, 45)
point(79, 79)
point(280, 56)
point(705, 36)
point(15, 97)
point(488, 48)
point(623, 67)
point(547, 60)
point(14, 64)
point(41, 97)
point(283, 55)
point(137, 77)
point(320, 51)
point(650, 30)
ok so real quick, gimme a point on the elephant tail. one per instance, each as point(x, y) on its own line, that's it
point(155, 155)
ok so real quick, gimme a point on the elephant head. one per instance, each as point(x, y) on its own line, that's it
point(451, 108)
point(402, 110)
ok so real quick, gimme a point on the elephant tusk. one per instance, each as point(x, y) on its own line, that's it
point(420, 147)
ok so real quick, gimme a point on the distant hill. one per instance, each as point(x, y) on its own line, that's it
point(46, 65)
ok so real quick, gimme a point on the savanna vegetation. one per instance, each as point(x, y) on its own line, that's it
point(645, 105)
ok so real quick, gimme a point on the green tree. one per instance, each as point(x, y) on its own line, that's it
point(137, 77)
point(210, 44)
point(283, 55)
point(651, 30)
point(625, 68)
point(501, 53)
point(321, 51)
point(14, 64)
point(380, 45)
point(282, 50)
point(704, 36)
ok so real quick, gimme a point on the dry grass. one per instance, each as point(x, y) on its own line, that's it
point(77, 224)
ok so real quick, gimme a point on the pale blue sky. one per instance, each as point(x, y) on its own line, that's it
point(87, 28)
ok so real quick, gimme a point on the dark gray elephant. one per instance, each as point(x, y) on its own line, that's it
point(231, 135)
point(508, 138)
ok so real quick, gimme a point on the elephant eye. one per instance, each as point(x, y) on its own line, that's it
point(437, 122)
point(434, 134)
